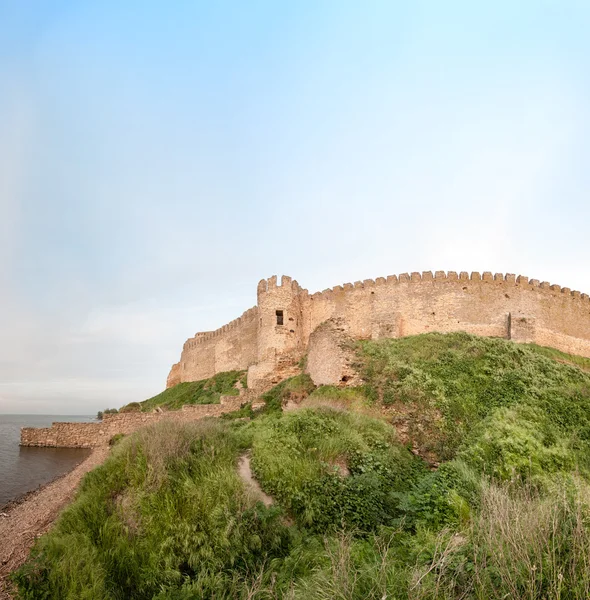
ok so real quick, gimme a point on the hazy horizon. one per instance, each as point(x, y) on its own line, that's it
point(157, 161)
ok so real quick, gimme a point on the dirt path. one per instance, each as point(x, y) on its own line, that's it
point(245, 472)
point(26, 521)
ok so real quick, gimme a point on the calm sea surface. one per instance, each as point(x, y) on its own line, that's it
point(24, 469)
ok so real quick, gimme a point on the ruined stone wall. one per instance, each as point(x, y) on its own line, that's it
point(174, 376)
point(92, 435)
point(483, 304)
point(491, 305)
point(330, 355)
point(231, 347)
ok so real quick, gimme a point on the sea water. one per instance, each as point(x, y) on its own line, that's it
point(23, 469)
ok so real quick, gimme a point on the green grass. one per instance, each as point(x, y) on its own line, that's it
point(577, 361)
point(297, 387)
point(356, 514)
point(206, 391)
point(333, 469)
point(461, 391)
point(167, 508)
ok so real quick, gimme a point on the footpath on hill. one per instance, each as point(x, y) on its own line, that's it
point(23, 522)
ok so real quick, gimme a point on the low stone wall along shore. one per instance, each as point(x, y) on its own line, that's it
point(94, 435)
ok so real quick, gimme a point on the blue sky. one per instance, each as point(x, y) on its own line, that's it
point(157, 159)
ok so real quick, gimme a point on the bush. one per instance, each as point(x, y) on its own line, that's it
point(333, 469)
point(106, 411)
point(131, 407)
point(296, 388)
point(518, 443)
point(441, 498)
point(166, 511)
point(206, 391)
point(116, 439)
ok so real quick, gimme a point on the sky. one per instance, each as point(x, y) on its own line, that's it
point(157, 159)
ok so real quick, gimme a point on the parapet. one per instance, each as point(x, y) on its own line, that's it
point(440, 277)
point(266, 286)
point(204, 336)
point(465, 279)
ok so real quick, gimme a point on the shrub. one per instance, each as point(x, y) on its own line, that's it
point(300, 459)
point(167, 510)
point(116, 439)
point(296, 388)
point(517, 442)
point(106, 411)
point(206, 391)
point(522, 544)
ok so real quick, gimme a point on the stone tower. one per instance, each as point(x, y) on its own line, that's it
point(280, 326)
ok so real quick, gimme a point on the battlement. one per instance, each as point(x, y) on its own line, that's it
point(484, 303)
point(450, 276)
point(266, 286)
point(205, 336)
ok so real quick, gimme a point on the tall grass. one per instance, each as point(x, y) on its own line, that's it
point(166, 508)
point(356, 514)
point(205, 391)
point(443, 387)
point(520, 545)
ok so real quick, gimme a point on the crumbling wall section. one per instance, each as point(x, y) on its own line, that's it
point(330, 355)
point(92, 435)
point(174, 376)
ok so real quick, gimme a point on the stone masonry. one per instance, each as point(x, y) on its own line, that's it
point(288, 324)
point(279, 330)
point(93, 435)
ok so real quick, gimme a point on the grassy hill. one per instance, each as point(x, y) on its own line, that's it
point(206, 391)
point(458, 470)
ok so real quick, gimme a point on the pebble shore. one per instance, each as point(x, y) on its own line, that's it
point(21, 523)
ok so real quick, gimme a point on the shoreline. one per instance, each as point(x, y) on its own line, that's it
point(32, 514)
point(12, 504)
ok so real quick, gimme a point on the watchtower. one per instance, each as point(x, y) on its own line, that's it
point(280, 318)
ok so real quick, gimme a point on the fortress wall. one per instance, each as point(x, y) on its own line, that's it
point(479, 304)
point(173, 376)
point(231, 347)
point(485, 304)
point(92, 435)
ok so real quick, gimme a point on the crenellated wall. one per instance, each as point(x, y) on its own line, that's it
point(231, 347)
point(92, 435)
point(517, 308)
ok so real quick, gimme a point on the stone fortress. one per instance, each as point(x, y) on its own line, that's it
point(288, 324)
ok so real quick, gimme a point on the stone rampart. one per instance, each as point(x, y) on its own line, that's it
point(518, 308)
point(277, 331)
point(229, 348)
point(92, 435)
